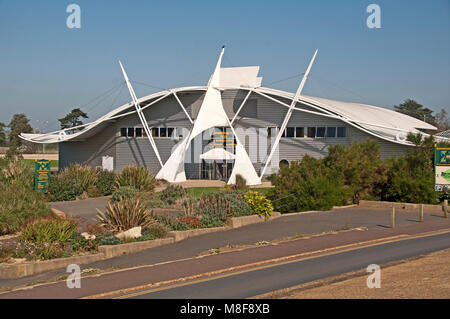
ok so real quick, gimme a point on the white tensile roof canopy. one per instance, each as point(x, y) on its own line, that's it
point(380, 122)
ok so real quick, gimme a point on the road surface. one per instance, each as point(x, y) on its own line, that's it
point(259, 280)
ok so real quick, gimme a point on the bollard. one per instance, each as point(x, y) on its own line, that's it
point(393, 217)
point(421, 212)
point(445, 208)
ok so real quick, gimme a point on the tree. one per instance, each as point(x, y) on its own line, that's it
point(442, 120)
point(73, 119)
point(2, 134)
point(414, 109)
point(19, 124)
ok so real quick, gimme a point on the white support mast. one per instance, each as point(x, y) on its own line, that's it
point(141, 114)
point(288, 115)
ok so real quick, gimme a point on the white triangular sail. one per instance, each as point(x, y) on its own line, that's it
point(211, 114)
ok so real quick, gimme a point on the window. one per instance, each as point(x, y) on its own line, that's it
point(331, 131)
point(290, 132)
point(123, 131)
point(155, 131)
point(283, 163)
point(341, 131)
point(138, 132)
point(311, 132)
point(162, 132)
point(300, 132)
point(130, 132)
point(320, 132)
point(282, 134)
point(170, 131)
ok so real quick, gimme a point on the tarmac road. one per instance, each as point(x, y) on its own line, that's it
point(259, 280)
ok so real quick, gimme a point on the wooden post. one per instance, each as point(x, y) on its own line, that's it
point(393, 217)
point(421, 212)
point(445, 208)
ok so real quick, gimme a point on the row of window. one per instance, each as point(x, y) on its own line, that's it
point(140, 132)
point(309, 132)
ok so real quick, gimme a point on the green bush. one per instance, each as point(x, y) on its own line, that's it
point(155, 231)
point(138, 177)
point(307, 185)
point(259, 204)
point(241, 182)
point(172, 193)
point(85, 176)
point(216, 208)
point(48, 230)
point(17, 172)
point(124, 215)
point(62, 188)
point(18, 205)
point(124, 192)
point(47, 238)
point(105, 182)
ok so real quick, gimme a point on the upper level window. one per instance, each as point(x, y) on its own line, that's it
point(162, 132)
point(290, 132)
point(138, 132)
point(130, 132)
point(341, 131)
point(320, 132)
point(155, 131)
point(311, 132)
point(331, 131)
point(299, 132)
point(123, 131)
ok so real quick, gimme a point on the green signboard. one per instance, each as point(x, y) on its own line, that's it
point(442, 156)
point(42, 175)
point(442, 168)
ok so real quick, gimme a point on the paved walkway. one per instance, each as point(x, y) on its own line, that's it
point(285, 226)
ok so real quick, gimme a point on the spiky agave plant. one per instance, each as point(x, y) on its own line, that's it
point(124, 215)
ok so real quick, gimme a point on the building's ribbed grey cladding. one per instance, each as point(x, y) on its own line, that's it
point(91, 151)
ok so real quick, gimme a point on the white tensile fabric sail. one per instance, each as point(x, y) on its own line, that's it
point(211, 114)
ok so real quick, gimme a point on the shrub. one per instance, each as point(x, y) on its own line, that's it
point(47, 238)
point(172, 223)
point(307, 185)
point(18, 205)
point(48, 230)
point(153, 232)
point(17, 172)
point(259, 204)
point(172, 193)
point(105, 182)
point(241, 182)
point(85, 176)
point(124, 215)
point(215, 208)
point(92, 192)
point(124, 192)
point(107, 239)
point(138, 177)
point(61, 188)
point(190, 221)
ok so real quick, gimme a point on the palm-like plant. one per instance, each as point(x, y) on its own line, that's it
point(124, 215)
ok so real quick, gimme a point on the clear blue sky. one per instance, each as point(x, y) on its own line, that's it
point(47, 69)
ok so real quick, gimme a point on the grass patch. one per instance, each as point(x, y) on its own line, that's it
point(31, 163)
point(197, 192)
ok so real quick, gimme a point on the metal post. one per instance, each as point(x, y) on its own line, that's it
point(445, 208)
point(393, 217)
point(421, 212)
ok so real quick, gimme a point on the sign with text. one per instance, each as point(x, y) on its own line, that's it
point(42, 175)
point(442, 168)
